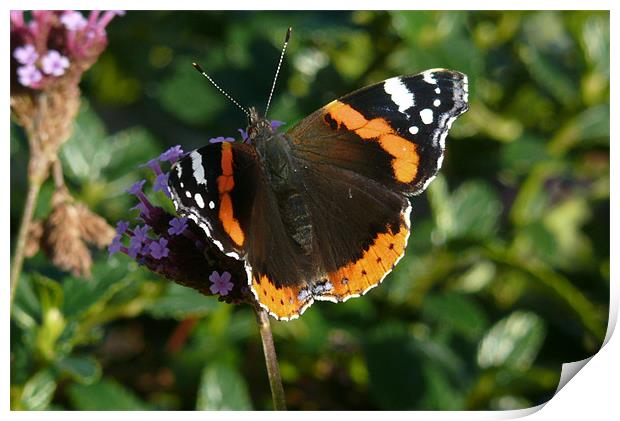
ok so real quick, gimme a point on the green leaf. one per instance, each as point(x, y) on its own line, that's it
point(107, 395)
point(523, 154)
point(38, 391)
point(79, 294)
point(588, 128)
point(26, 310)
point(440, 394)
point(476, 210)
point(471, 212)
point(83, 369)
point(179, 302)
point(457, 312)
point(394, 369)
point(188, 98)
point(222, 388)
point(512, 342)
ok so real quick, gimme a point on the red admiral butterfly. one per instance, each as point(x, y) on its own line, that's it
point(321, 212)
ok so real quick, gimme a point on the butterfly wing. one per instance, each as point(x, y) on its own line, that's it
point(400, 124)
point(361, 230)
point(361, 156)
point(223, 188)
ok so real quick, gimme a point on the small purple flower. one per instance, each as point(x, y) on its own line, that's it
point(141, 233)
point(159, 249)
point(73, 21)
point(121, 227)
point(172, 155)
point(177, 226)
point(221, 283)
point(29, 75)
point(244, 135)
point(221, 139)
point(277, 123)
point(26, 54)
point(17, 18)
point(153, 164)
point(115, 245)
point(142, 208)
point(108, 16)
point(136, 189)
point(135, 247)
point(54, 63)
point(161, 183)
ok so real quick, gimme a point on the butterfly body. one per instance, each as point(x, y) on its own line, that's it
point(321, 212)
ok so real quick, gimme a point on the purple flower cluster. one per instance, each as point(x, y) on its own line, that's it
point(53, 43)
point(142, 241)
point(175, 246)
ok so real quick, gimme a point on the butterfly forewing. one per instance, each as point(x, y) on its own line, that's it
point(393, 132)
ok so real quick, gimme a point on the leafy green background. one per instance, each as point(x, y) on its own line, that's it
point(507, 271)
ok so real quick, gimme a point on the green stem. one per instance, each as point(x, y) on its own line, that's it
point(18, 258)
point(273, 371)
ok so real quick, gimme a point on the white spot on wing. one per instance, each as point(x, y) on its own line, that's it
point(437, 103)
point(199, 201)
point(188, 194)
point(414, 130)
point(426, 115)
point(437, 90)
point(401, 96)
point(199, 171)
point(429, 78)
point(211, 205)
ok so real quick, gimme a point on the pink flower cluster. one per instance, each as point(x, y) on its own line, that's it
point(54, 43)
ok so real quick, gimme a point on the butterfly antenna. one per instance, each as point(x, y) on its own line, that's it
point(275, 78)
point(202, 72)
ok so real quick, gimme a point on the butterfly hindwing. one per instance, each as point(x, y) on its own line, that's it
point(360, 227)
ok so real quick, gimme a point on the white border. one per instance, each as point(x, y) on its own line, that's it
point(592, 394)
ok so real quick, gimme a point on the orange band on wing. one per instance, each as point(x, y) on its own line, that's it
point(225, 184)
point(282, 302)
point(406, 159)
point(357, 277)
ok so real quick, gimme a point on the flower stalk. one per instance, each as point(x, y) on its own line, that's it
point(271, 360)
point(49, 54)
point(24, 228)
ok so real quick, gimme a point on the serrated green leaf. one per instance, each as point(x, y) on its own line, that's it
point(512, 342)
point(222, 388)
point(38, 391)
point(107, 395)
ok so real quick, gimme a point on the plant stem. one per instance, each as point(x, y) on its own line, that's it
point(273, 370)
point(18, 258)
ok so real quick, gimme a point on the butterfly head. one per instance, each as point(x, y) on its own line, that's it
point(259, 128)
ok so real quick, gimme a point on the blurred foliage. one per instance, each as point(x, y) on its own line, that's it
point(507, 271)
